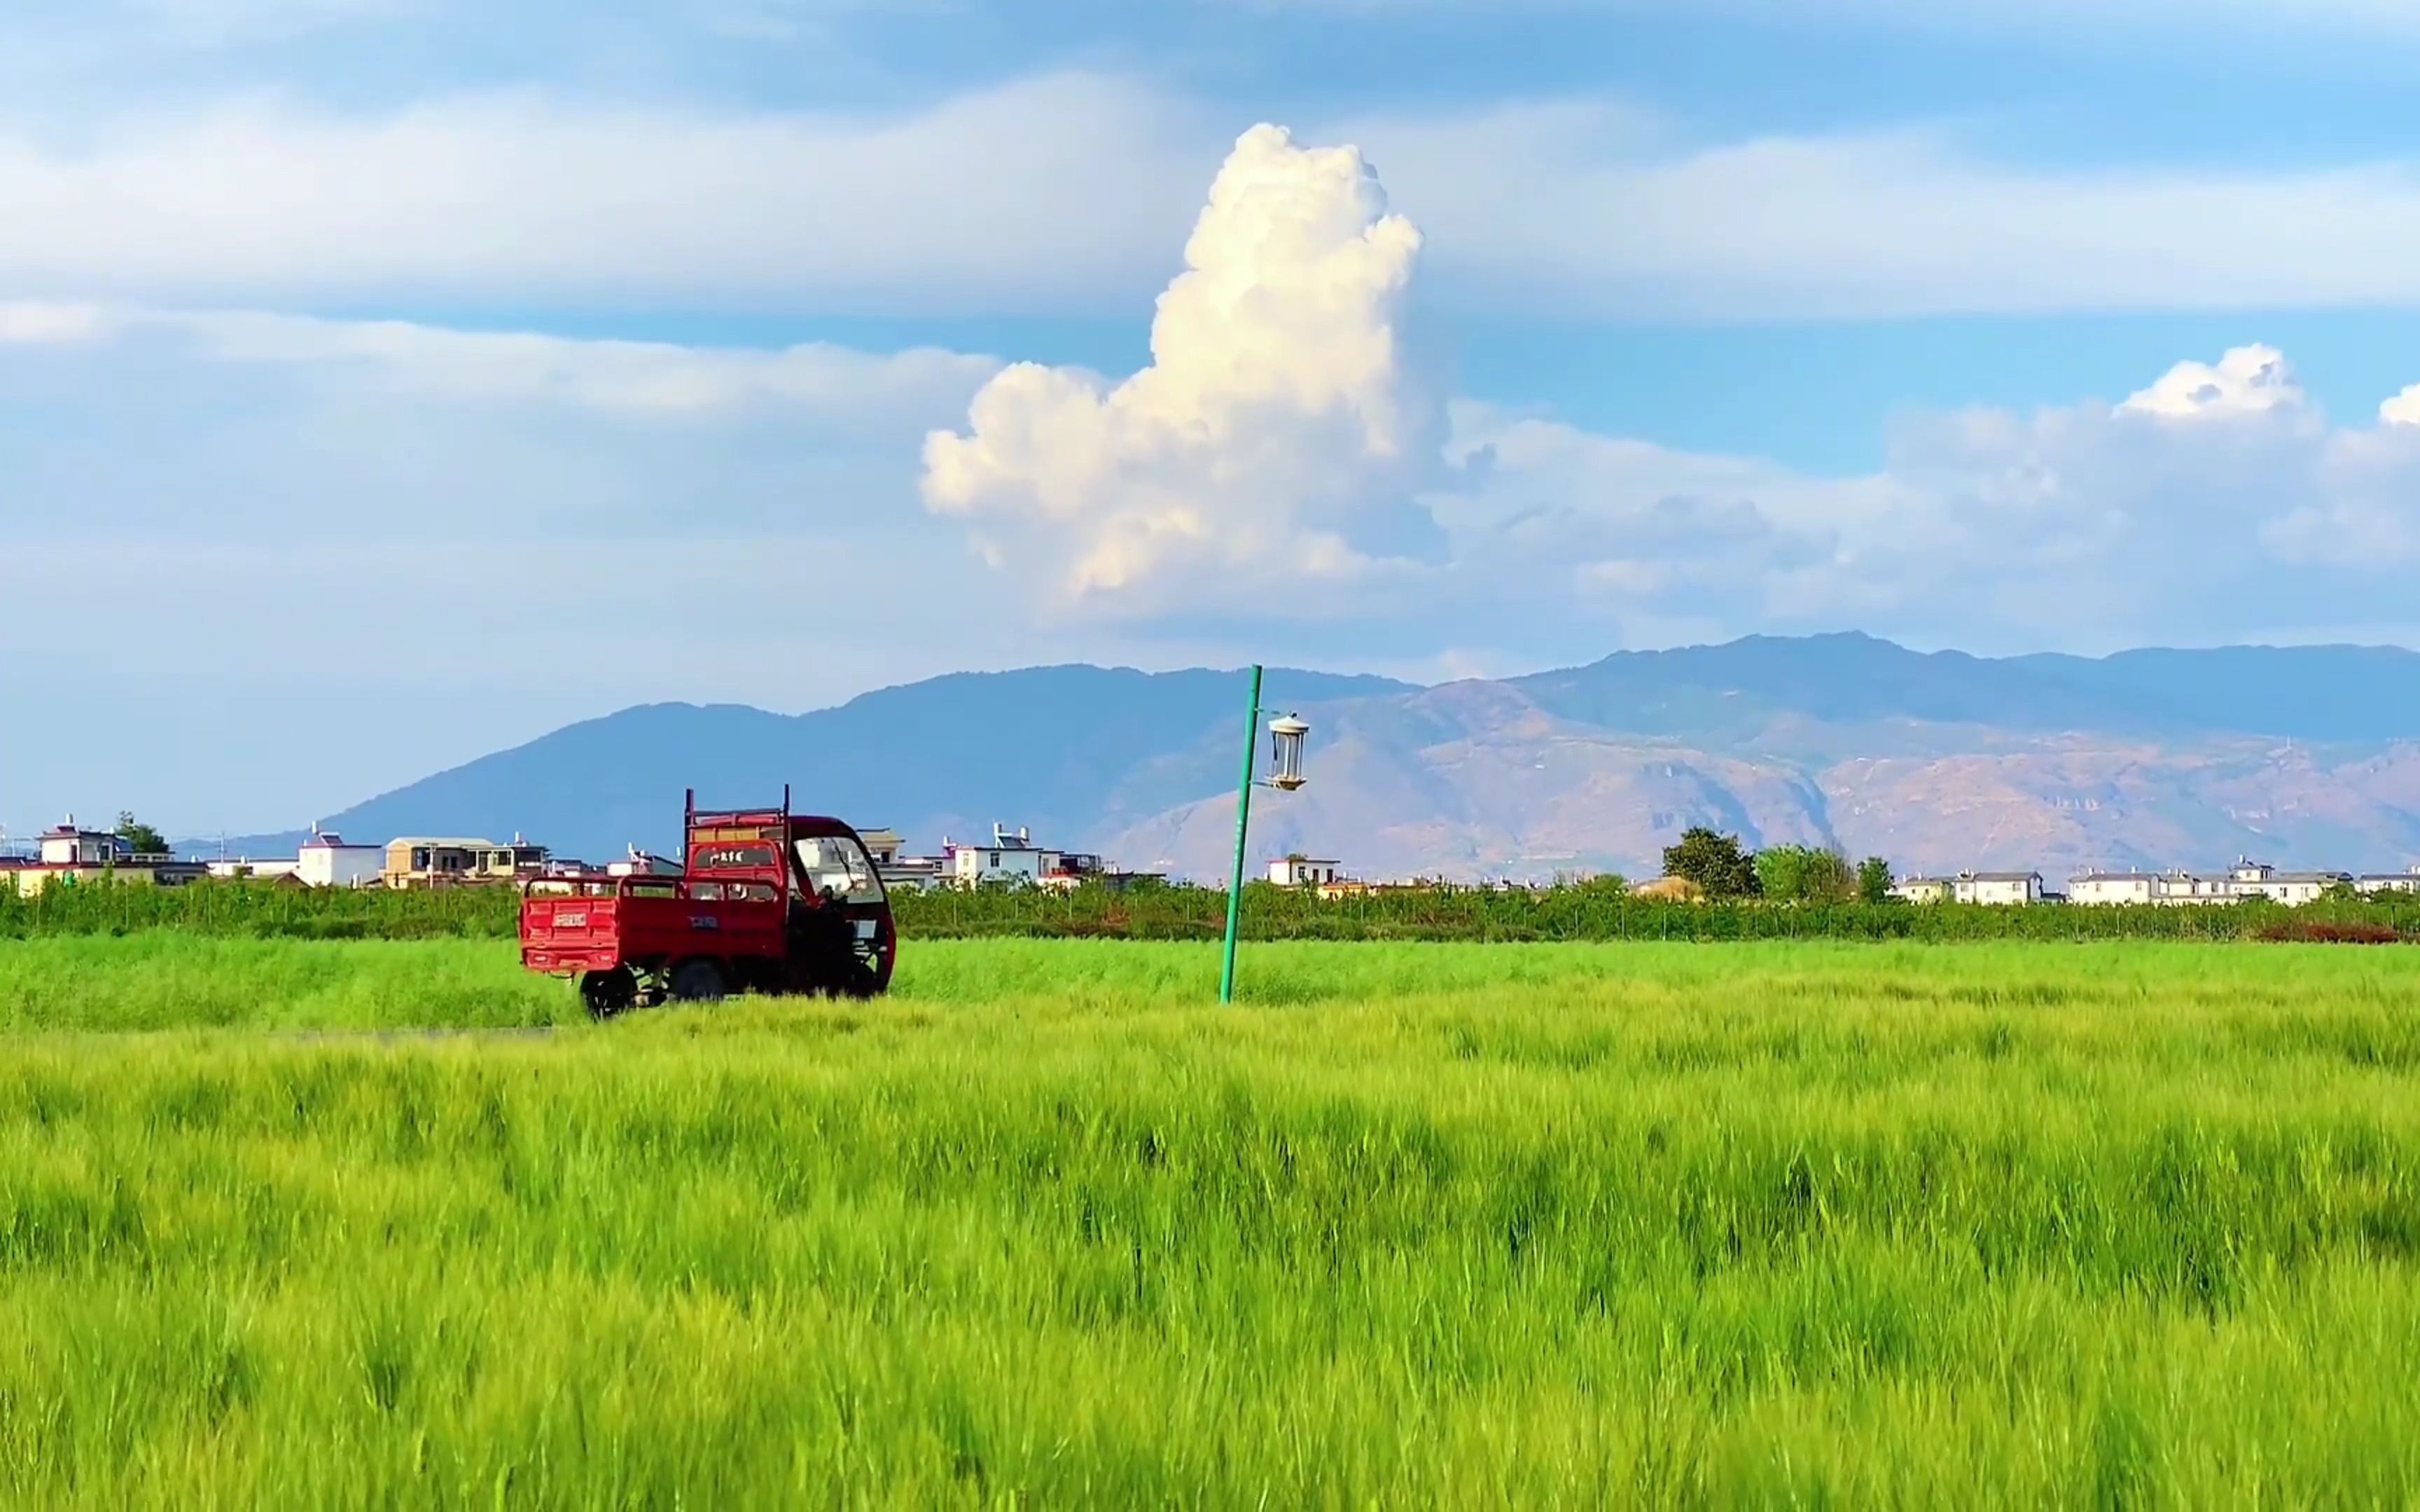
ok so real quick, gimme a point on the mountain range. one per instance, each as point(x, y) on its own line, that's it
point(2302, 756)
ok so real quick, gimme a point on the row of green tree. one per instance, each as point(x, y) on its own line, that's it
point(1600, 909)
point(1721, 869)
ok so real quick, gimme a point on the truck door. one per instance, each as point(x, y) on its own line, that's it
point(847, 916)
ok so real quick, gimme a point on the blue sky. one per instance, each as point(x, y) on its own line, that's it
point(400, 366)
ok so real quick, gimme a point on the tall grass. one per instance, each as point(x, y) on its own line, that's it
point(163, 981)
point(260, 910)
point(1423, 1225)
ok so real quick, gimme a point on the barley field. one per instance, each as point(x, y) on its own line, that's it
point(307, 1222)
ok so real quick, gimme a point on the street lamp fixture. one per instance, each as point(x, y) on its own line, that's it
point(1285, 752)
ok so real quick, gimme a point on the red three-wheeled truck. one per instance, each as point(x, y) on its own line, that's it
point(767, 900)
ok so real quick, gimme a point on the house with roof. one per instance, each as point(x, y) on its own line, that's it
point(2183, 888)
point(325, 860)
point(1013, 859)
point(1923, 889)
point(1991, 889)
point(1998, 890)
point(69, 853)
point(2109, 888)
point(2255, 879)
point(1300, 871)
point(2246, 881)
point(437, 861)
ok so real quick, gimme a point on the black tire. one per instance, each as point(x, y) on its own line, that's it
point(698, 981)
point(609, 993)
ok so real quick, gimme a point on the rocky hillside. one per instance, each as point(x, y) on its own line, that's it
point(1502, 787)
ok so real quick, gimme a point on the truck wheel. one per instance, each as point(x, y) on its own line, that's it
point(608, 992)
point(698, 981)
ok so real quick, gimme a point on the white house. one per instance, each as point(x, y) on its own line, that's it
point(2292, 889)
point(1304, 871)
point(1010, 860)
point(326, 861)
point(2109, 887)
point(68, 845)
point(1999, 889)
point(2247, 880)
point(2378, 881)
point(1995, 889)
point(2181, 888)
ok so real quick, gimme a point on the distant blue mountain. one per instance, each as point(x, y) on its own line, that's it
point(1087, 755)
point(2318, 693)
point(1062, 750)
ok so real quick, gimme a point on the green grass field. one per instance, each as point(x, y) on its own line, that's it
point(2129, 1223)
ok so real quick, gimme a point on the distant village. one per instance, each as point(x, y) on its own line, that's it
point(70, 852)
point(2246, 882)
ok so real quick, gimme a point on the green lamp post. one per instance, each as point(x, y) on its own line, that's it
point(1286, 732)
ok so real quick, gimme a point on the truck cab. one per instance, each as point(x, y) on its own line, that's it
point(835, 914)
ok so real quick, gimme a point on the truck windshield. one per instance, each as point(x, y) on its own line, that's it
point(836, 864)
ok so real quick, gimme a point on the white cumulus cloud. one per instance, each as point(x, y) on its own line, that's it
point(2402, 409)
point(2218, 503)
point(1279, 433)
point(2247, 380)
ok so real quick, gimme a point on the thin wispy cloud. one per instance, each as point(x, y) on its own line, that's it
point(1063, 194)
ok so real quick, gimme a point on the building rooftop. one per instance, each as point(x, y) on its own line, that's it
point(140, 859)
